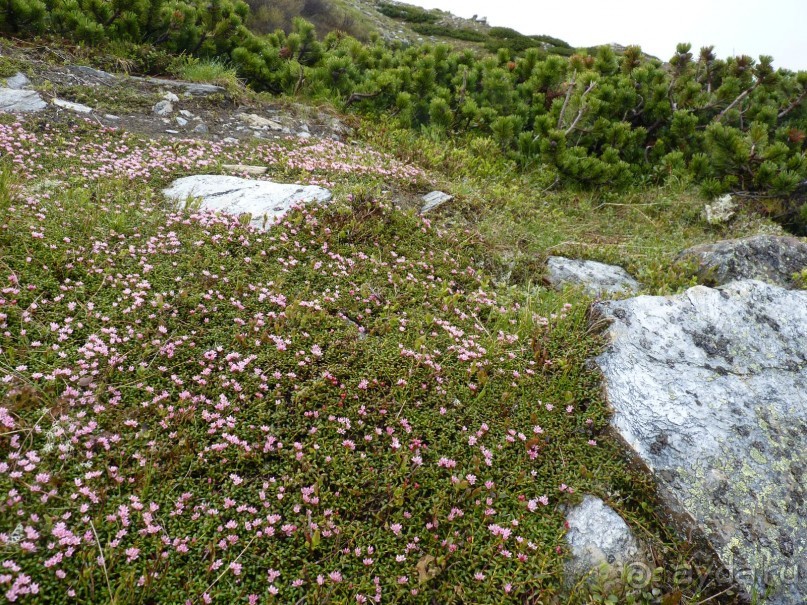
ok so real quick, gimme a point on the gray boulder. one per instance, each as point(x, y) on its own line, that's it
point(596, 279)
point(20, 101)
point(769, 258)
point(600, 541)
point(709, 389)
point(265, 201)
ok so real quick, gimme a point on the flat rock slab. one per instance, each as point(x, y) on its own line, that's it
point(20, 101)
point(769, 258)
point(434, 200)
point(69, 105)
point(191, 88)
point(265, 201)
point(596, 279)
point(598, 539)
point(93, 76)
point(709, 389)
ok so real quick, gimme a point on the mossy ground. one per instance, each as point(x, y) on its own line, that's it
point(358, 402)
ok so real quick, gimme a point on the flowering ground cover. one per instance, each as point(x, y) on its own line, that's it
point(81, 149)
point(342, 410)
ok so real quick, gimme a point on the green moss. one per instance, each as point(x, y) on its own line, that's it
point(9, 67)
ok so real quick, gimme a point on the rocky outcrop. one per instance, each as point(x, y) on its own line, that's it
point(769, 258)
point(596, 279)
point(600, 541)
point(709, 389)
point(265, 201)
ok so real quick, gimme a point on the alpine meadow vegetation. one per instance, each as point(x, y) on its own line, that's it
point(595, 117)
point(359, 404)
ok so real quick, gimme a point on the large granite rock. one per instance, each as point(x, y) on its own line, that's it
point(600, 541)
point(265, 201)
point(709, 389)
point(594, 278)
point(769, 258)
point(14, 100)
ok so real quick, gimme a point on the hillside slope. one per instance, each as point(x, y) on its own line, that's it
point(359, 403)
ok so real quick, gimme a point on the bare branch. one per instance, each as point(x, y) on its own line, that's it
point(355, 97)
point(741, 96)
point(566, 101)
point(583, 107)
point(793, 105)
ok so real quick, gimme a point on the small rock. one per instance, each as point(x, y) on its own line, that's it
point(69, 105)
point(186, 114)
point(596, 279)
point(304, 135)
point(18, 81)
point(264, 201)
point(769, 258)
point(255, 121)
point(163, 108)
point(245, 169)
point(170, 97)
point(229, 140)
point(201, 129)
point(304, 128)
point(434, 200)
point(20, 101)
point(721, 210)
point(600, 541)
point(112, 117)
point(169, 131)
point(181, 121)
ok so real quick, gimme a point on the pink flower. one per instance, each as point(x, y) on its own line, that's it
point(335, 576)
point(132, 554)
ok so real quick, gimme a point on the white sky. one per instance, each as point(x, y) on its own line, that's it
point(751, 27)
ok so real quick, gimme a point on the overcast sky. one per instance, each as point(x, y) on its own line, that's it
point(751, 27)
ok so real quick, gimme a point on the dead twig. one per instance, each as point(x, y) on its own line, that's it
point(103, 561)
